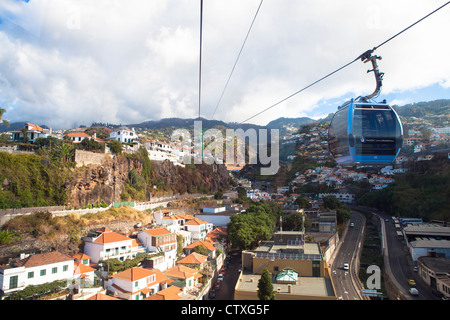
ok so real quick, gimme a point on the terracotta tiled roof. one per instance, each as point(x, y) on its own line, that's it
point(78, 134)
point(170, 293)
point(80, 268)
point(182, 272)
point(81, 256)
point(34, 127)
point(133, 274)
point(195, 222)
point(217, 232)
point(157, 232)
point(137, 273)
point(108, 237)
point(101, 296)
point(207, 244)
point(43, 259)
point(193, 258)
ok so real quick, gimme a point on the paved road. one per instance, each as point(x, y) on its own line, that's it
point(227, 285)
point(401, 263)
point(345, 280)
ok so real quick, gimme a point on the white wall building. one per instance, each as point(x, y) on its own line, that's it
point(137, 283)
point(160, 240)
point(106, 244)
point(124, 136)
point(198, 228)
point(36, 269)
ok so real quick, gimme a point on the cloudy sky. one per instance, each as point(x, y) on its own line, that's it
point(67, 63)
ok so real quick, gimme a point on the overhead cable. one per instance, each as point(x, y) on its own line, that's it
point(365, 54)
point(237, 59)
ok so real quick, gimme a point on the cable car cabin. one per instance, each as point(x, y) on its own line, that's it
point(362, 132)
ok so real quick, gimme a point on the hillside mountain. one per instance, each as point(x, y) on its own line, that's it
point(439, 107)
point(423, 109)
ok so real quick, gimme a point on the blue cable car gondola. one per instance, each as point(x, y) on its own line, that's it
point(365, 132)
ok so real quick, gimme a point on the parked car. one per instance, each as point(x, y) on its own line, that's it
point(346, 266)
point(220, 277)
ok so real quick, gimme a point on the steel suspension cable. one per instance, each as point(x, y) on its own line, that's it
point(368, 52)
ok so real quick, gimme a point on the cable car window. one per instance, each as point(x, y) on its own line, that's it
point(338, 134)
point(375, 131)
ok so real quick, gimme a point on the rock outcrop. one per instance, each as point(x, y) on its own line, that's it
point(106, 182)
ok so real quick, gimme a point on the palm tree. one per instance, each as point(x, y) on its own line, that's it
point(5, 122)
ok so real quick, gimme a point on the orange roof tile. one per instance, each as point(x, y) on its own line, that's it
point(34, 127)
point(43, 259)
point(134, 274)
point(182, 272)
point(170, 293)
point(207, 244)
point(101, 296)
point(81, 256)
point(78, 134)
point(80, 268)
point(195, 222)
point(157, 232)
point(108, 237)
point(193, 258)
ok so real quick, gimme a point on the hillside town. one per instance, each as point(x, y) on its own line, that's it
point(180, 256)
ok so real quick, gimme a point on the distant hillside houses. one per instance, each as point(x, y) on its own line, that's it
point(336, 176)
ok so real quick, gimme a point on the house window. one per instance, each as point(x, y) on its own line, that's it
point(136, 283)
point(65, 268)
point(43, 272)
point(13, 282)
point(54, 270)
point(31, 275)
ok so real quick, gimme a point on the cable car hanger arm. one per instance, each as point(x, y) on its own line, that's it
point(366, 57)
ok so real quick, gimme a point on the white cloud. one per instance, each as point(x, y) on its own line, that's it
point(75, 62)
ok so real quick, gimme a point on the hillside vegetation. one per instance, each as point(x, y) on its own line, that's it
point(423, 192)
point(32, 181)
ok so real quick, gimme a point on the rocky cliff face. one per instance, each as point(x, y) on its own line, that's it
point(106, 182)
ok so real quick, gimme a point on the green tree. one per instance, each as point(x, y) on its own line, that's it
point(265, 287)
point(256, 224)
point(331, 202)
point(115, 146)
point(303, 202)
point(201, 249)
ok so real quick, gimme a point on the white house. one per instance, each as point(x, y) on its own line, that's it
point(32, 131)
point(137, 283)
point(167, 218)
point(105, 244)
point(36, 269)
point(160, 240)
point(198, 228)
point(78, 137)
point(124, 136)
point(83, 272)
